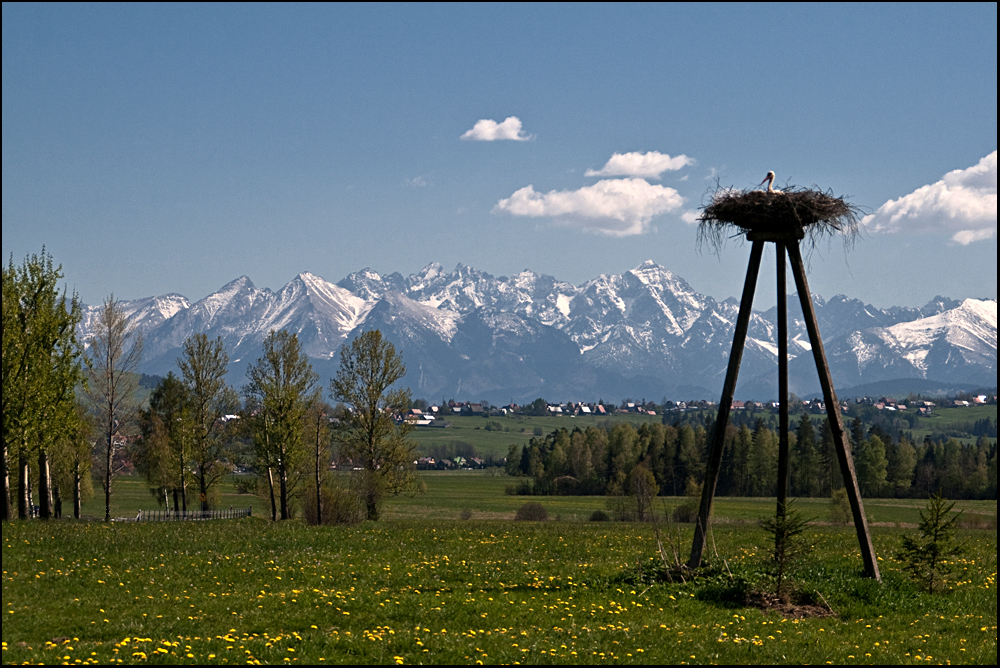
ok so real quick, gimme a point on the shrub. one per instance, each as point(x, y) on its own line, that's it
point(644, 489)
point(525, 488)
point(686, 513)
point(840, 507)
point(599, 516)
point(466, 514)
point(537, 431)
point(566, 485)
point(621, 507)
point(340, 506)
point(245, 484)
point(531, 512)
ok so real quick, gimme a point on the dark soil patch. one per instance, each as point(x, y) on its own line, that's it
point(787, 607)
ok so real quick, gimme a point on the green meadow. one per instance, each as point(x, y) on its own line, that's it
point(424, 586)
point(953, 422)
point(483, 492)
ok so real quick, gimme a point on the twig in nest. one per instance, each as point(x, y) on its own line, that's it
point(811, 212)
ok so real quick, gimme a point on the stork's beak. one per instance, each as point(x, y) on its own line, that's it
point(764, 181)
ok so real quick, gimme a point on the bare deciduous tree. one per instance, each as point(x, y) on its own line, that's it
point(114, 356)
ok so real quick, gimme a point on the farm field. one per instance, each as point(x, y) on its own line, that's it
point(423, 591)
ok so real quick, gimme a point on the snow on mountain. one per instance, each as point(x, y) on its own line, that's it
point(147, 313)
point(959, 344)
point(969, 332)
point(643, 331)
point(369, 285)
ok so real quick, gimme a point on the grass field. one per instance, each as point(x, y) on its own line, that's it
point(943, 419)
point(457, 592)
point(449, 492)
point(425, 587)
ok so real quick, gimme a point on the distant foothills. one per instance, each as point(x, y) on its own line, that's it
point(642, 333)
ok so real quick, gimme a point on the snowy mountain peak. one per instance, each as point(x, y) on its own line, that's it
point(982, 308)
point(166, 306)
point(240, 283)
point(530, 334)
point(432, 270)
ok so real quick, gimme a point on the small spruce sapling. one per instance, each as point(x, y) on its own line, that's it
point(929, 556)
point(790, 545)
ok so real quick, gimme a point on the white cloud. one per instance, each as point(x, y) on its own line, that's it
point(417, 182)
point(647, 165)
point(690, 216)
point(489, 130)
point(614, 207)
point(962, 204)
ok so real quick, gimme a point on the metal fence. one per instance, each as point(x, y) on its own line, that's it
point(181, 516)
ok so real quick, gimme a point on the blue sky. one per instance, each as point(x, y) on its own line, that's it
point(163, 148)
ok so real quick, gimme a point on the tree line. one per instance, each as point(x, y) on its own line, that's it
point(605, 459)
point(72, 415)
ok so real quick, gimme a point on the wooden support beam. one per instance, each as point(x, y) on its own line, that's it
point(725, 404)
point(843, 446)
point(782, 381)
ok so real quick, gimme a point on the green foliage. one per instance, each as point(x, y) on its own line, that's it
point(71, 461)
point(162, 456)
point(369, 435)
point(840, 507)
point(929, 556)
point(203, 364)
point(599, 516)
point(643, 487)
point(805, 465)
point(279, 392)
point(790, 547)
point(40, 370)
point(337, 506)
point(872, 465)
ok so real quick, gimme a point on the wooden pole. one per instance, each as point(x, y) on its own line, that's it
point(782, 381)
point(725, 404)
point(833, 414)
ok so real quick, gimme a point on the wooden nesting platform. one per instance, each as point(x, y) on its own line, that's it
point(781, 215)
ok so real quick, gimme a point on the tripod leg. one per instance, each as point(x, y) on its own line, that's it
point(833, 414)
point(782, 382)
point(728, 389)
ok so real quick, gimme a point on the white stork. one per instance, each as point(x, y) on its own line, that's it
point(769, 180)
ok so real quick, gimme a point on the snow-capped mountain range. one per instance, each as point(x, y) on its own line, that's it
point(643, 333)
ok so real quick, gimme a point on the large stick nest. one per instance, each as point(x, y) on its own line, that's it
point(815, 213)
